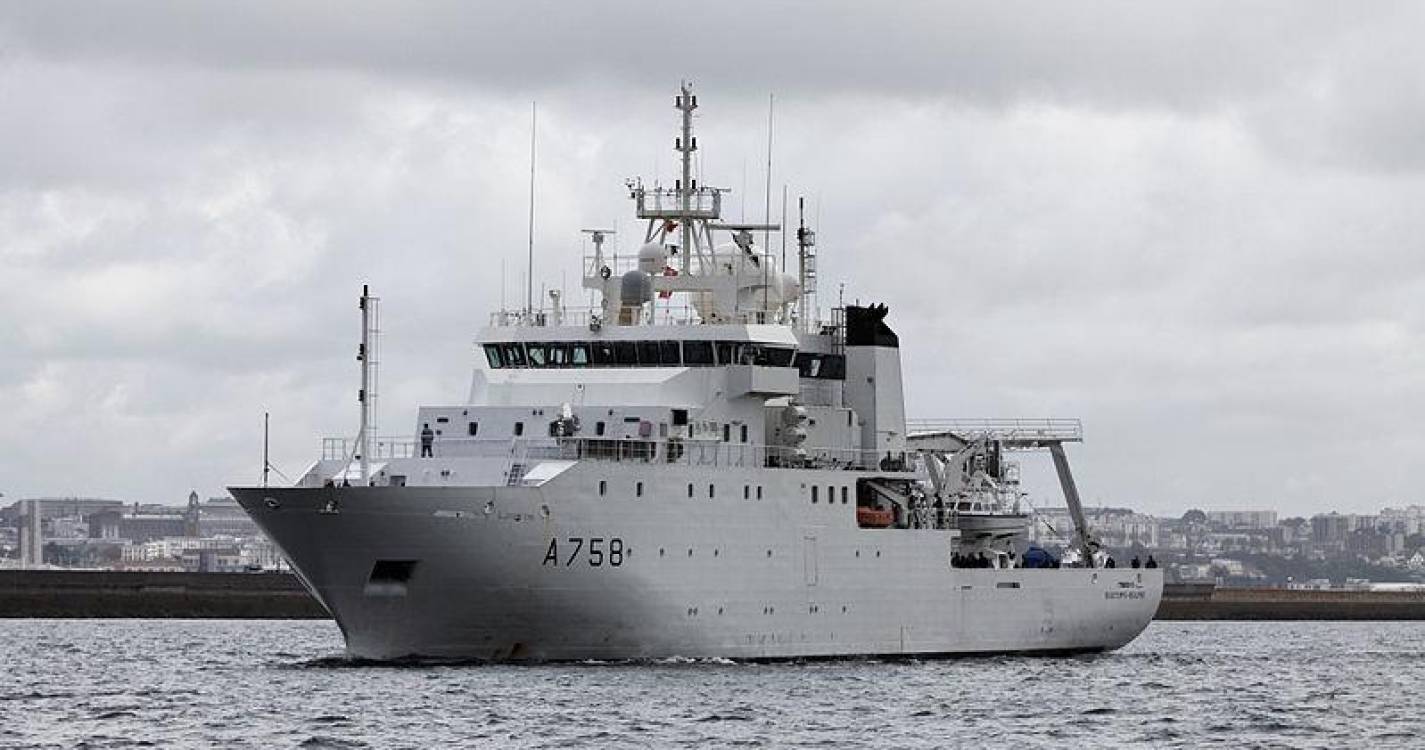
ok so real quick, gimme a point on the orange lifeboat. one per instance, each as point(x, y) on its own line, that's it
point(874, 518)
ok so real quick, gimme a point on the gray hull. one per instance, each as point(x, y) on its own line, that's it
point(559, 572)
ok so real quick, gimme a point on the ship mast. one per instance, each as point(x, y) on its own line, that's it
point(366, 355)
point(686, 145)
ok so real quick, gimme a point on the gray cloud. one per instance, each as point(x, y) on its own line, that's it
point(1194, 226)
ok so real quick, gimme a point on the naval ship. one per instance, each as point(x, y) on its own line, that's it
point(700, 464)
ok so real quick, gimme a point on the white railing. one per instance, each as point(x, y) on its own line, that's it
point(708, 453)
point(664, 313)
point(1065, 430)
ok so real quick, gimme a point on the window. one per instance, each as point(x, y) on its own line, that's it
point(442, 420)
point(603, 487)
point(625, 353)
point(834, 367)
point(602, 353)
point(648, 354)
point(843, 495)
point(493, 355)
point(690, 489)
point(680, 417)
point(727, 433)
point(558, 355)
point(830, 494)
point(744, 433)
point(668, 352)
point(746, 492)
point(726, 353)
point(579, 355)
point(778, 356)
point(698, 353)
point(519, 428)
point(638, 489)
point(813, 494)
point(711, 490)
point(514, 355)
point(474, 429)
point(598, 428)
point(537, 355)
point(759, 492)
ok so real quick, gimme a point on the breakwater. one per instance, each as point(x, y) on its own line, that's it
point(80, 594)
point(1207, 602)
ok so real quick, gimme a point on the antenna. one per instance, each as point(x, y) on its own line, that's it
point(783, 231)
point(529, 279)
point(767, 191)
point(266, 463)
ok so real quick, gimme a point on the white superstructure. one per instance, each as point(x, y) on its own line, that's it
point(697, 466)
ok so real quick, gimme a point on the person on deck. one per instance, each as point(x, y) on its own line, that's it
point(427, 440)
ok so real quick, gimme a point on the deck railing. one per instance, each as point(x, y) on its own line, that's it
point(709, 453)
point(1065, 430)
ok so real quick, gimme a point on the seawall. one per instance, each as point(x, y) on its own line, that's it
point(1206, 602)
point(63, 593)
point(94, 594)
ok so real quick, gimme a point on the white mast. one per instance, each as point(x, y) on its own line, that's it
point(367, 355)
point(686, 145)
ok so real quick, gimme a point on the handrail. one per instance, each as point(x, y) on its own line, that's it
point(711, 453)
point(1066, 430)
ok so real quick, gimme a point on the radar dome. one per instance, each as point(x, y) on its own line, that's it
point(652, 257)
point(635, 288)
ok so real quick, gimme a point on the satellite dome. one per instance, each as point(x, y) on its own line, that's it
point(635, 288)
point(652, 257)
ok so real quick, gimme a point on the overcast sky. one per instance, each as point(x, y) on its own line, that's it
point(1197, 226)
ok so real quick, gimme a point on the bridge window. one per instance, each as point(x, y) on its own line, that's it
point(668, 353)
point(537, 355)
point(494, 357)
point(726, 353)
point(514, 355)
point(602, 353)
point(558, 355)
point(626, 353)
point(648, 353)
point(579, 355)
point(698, 353)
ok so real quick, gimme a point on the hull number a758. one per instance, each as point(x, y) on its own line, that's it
point(594, 551)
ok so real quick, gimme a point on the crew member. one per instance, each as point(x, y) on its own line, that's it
point(427, 439)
